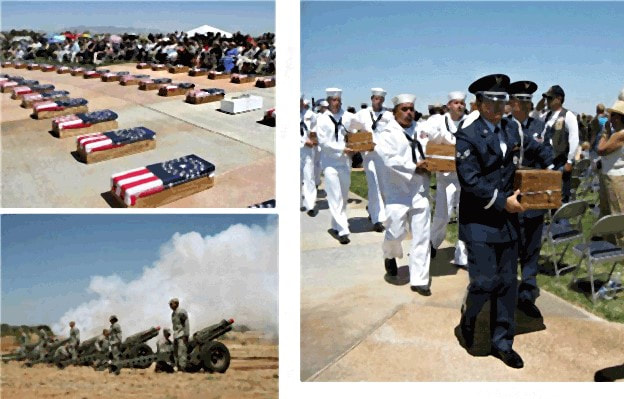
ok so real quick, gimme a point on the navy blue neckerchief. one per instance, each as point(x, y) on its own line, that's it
point(336, 125)
point(375, 120)
point(413, 144)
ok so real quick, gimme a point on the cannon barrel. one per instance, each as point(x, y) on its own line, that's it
point(88, 345)
point(211, 332)
point(140, 337)
point(56, 344)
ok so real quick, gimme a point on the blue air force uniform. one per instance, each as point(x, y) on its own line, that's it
point(532, 221)
point(486, 160)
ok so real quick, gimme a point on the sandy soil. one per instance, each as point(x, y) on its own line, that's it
point(253, 373)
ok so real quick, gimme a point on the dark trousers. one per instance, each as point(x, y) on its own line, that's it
point(493, 269)
point(529, 251)
point(566, 179)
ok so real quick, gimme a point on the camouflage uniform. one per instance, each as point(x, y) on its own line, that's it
point(74, 341)
point(62, 353)
point(23, 341)
point(41, 348)
point(165, 346)
point(114, 340)
point(179, 319)
point(102, 346)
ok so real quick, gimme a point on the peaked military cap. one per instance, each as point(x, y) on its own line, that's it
point(496, 83)
point(522, 90)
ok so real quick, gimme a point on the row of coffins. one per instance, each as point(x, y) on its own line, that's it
point(99, 139)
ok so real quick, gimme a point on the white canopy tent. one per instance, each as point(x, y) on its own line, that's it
point(204, 29)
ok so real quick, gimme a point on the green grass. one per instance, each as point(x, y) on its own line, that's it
point(612, 310)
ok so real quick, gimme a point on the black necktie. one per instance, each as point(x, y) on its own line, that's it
point(413, 144)
point(375, 120)
point(302, 128)
point(336, 125)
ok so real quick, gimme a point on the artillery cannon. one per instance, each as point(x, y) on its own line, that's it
point(48, 357)
point(203, 352)
point(20, 354)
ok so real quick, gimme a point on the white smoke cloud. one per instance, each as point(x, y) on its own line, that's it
point(232, 274)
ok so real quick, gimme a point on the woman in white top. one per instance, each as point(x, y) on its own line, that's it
point(611, 149)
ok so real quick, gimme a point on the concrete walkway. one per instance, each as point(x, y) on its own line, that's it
point(40, 170)
point(357, 327)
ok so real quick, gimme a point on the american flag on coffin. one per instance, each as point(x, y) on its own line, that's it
point(32, 89)
point(81, 120)
point(52, 95)
point(134, 77)
point(117, 138)
point(111, 74)
point(60, 105)
point(152, 179)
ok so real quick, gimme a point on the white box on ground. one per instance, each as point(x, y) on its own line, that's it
point(243, 103)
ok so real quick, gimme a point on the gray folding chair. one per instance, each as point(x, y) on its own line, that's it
point(565, 227)
point(601, 251)
point(581, 178)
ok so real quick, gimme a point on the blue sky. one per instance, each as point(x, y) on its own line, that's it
point(430, 49)
point(249, 17)
point(47, 260)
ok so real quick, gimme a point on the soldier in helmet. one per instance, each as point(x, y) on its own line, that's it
point(179, 319)
point(114, 338)
point(102, 346)
point(165, 346)
point(74, 339)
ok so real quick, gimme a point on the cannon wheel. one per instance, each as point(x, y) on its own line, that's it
point(142, 350)
point(215, 357)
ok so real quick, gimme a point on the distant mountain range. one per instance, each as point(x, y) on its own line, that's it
point(112, 29)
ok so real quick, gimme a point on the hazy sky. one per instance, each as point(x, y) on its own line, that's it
point(48, 260)
point(430, 49)
point(253, 17)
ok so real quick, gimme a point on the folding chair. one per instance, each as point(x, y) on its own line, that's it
point(601, 251)
point(570, 230)
point(581, 178)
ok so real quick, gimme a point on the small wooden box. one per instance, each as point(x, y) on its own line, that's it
point(9, 88)
point(48, 68)
point(34, 67)
point(95, 75)
point(178, 69)
point(117, 152)
point(263, 83)
point(204, 99)
point(215, 75)
point(111, 78)
point(159, 67)
point(62, 70)
point(96, 127)
point(360, 141)
point(150, 85)
point(197, 72)
point(19, 66)
point(242, 79)
point(440, 157)
point(168, 195)
point(78, 72)
point(170, 92)
point(539, 189)
point(54, 114)
point(7, 64)
point(143, 65)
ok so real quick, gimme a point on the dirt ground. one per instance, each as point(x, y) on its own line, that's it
point(253, 373)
